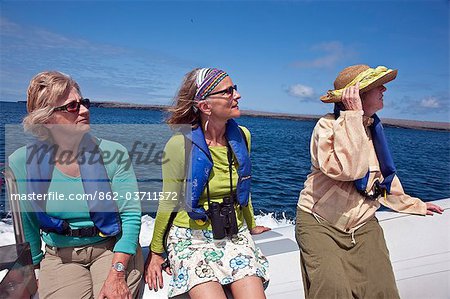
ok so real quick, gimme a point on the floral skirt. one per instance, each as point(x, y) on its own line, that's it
point(195, 257)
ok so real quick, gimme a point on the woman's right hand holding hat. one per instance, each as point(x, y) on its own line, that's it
point(351, 98)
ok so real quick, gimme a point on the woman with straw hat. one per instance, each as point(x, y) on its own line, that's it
point(342, 247)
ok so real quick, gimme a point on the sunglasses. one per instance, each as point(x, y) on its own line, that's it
point(229, 90)
point(74, 106)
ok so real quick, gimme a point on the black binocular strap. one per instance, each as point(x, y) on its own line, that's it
point(230, 165)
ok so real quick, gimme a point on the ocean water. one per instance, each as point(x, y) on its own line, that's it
point(281, 160)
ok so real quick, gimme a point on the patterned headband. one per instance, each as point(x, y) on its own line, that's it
point(207, 80)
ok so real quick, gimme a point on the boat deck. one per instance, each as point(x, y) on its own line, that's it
point(419, 248)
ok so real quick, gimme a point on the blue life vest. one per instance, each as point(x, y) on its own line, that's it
point(384, 157)
point(201, 164)
point(40, 166)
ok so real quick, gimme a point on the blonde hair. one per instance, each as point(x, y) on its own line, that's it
point(44, 91)
point(183, 110)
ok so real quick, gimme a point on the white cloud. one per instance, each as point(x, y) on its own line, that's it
point(301, 91)
point(433, 104)
point(335, 52)
point(430, 102)
point(8, 27)
point(104, 71)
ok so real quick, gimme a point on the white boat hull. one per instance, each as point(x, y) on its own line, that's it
point(419, 248)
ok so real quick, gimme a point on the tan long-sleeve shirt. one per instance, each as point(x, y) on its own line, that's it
point(342, 152)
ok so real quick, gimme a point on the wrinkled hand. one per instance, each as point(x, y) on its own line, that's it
point(432, 208)
point(153, 271)
point(351, 98)
point(115, 286)
point(259, 229)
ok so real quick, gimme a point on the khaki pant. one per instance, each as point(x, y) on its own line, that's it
point(79, 272)
point(338, 265)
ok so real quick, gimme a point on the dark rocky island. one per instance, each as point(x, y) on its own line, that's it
point(388, 122)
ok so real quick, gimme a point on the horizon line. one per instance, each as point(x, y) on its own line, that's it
point(393, 122)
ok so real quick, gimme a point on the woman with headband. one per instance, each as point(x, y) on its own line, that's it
point(209, 168)
point(342, 247)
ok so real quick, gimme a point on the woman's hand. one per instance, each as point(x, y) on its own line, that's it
point(153, 271)
point(432, 208)
point(115, 286)
point(351, 98)
point(259, 229)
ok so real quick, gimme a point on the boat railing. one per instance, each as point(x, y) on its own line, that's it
point(11, 189)
point(17, 278)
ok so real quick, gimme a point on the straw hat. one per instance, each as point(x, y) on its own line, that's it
point(349, 73)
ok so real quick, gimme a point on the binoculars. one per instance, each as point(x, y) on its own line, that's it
point(223, 218)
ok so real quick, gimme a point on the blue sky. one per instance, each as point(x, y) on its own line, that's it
point(282, 54)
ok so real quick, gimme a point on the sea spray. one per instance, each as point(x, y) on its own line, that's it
point(148, 223)
point(6, 234)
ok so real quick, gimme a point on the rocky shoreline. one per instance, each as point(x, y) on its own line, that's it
point(388, 122)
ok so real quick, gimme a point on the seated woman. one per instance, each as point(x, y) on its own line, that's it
point(342, 248)
point(91, 240)
point(208, 245)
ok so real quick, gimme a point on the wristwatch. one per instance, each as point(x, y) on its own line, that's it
point(119, 267)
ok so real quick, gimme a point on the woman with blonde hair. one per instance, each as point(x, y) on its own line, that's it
point(92, 245)
point(209, 168)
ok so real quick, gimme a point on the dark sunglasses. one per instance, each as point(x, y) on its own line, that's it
point(229, 90)
point(74, 106)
